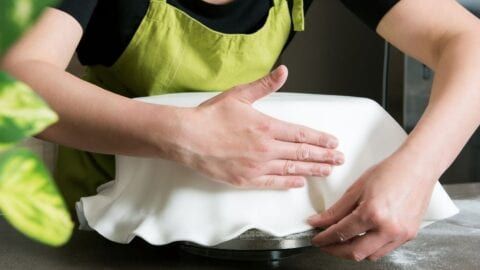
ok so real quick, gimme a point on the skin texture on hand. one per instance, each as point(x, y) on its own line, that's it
point(231, 142)
point(388, 209)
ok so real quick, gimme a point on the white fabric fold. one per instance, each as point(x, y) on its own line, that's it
point(162, 201)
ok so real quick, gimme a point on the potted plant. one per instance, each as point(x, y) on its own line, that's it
point(29, 199)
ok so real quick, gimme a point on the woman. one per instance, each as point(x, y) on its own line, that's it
point(139, 48)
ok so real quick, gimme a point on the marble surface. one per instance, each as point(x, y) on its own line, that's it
point(448, 244)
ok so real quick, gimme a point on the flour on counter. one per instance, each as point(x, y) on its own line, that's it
point(443, 245)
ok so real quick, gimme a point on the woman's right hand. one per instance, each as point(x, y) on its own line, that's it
point(224, 138)
point(228, 140)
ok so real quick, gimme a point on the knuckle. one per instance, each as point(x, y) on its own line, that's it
point(264, 126)
point(269, 182)
point(239, 181)
point(266, 82)
point(262, 147)
point(322, 138)
point(376, 215)
point(303, 152)
point(252, 167)
point(301, 135)
point(320, 170)
point(395, 231)
point(329, 155)
point(289, 168)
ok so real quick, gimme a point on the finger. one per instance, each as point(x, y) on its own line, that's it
point(307, 152)
point(289, 167)
point(344, 206)
point(358, 248)
point(385, 250)
point(288, 132)
point(276, 182)
point(249, 93)
point(349, 227)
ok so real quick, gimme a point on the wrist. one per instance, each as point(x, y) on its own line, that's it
point(167, 131)
point(420, 163)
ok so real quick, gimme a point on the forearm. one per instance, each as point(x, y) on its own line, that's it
point(453, 112)
point(94, 119)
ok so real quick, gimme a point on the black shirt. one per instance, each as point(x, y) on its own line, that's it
point(109, 25)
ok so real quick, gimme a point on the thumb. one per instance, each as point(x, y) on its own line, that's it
point(251, 92)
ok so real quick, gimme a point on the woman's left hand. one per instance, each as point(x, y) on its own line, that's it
point(382, 210)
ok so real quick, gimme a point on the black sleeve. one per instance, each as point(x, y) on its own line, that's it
point(370, 11)
point(81, 10)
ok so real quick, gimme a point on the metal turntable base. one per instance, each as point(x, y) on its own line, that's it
point(254, 245)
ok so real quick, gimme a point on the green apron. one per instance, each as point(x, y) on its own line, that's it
point(172, 52)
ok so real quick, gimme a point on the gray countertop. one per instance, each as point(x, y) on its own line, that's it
point(449, 244)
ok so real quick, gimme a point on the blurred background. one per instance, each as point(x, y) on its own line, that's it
point(340, 55)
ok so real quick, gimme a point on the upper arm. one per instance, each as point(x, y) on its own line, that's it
point(52, 39)
point(422, 28)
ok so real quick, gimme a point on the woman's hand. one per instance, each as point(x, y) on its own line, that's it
point(386, 204)
point(228, 140)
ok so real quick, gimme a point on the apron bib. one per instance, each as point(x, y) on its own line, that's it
point(172, 52)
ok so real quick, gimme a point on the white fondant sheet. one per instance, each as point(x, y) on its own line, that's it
point(162, 201)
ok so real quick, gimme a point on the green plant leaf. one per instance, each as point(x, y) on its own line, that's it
point(30, 200)
point(16, 16)
point(22, 112)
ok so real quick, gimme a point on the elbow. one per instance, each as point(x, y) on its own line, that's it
point(466, 41)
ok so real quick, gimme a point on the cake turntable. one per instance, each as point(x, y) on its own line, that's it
point(255, 245)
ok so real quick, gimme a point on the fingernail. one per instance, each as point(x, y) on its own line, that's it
point(277, 73)
point(339, 160)
point(332, 143)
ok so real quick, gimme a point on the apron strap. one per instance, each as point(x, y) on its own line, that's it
point(298, 16)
